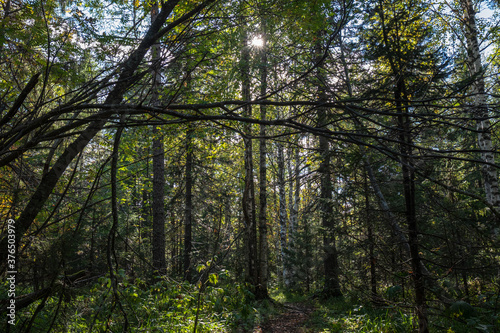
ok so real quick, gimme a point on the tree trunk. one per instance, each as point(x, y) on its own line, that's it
point(331, 265)
point(408, 168)
point(294, 191)
point(249, 215)
point(110, 248)
point(371, 241)
point(263, 246)
point(480, 106)
point(397, 67)
point(189, 206)
point(158, 243)
point(330, 262)
point(293, 201)
point(282, 213)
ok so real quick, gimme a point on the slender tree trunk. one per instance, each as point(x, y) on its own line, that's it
point(480, 105)
point(110, 248)
point(408, 170)
point(249, 214)
point(371, 246)
point(371, 241)
point(294, 191)
point(176, 269)
point(145, 234)
point(158, 239)
point(189, 206)
point(330, 262)
point(145, 204)
point(158, 244)
point(411, 218)
point(282, 213)
point(289, 158)
point(263, 245)
point(293, 201)
point(296, 202)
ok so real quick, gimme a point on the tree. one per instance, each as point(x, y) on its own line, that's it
point(126, 77)
point(188, 206)
point(283, 216)
point(248, 198)
point(263, 231)
point(158, 243)
point(331, 264)
point(402, 46)
point(479, 108)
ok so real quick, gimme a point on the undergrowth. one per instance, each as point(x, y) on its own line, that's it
point(165, 306)
point(222, 305)
point(344, 315)
point(352, 314)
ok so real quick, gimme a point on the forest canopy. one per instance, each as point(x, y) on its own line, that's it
point(167, 165)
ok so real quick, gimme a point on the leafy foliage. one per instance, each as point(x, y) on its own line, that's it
point(391, 81)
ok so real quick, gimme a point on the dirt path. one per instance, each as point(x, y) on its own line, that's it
point(291, 321)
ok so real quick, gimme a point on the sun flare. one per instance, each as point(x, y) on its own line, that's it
point(258, 41)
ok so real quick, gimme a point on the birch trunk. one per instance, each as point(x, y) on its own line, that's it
point(480, 106)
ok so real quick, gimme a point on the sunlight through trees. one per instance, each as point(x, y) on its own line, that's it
point(186, 166)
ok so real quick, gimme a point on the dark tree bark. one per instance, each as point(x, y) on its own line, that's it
point(330, 262)
point(371, 241)
point(263, 246)
point(408, 171)
point(294, 209)
point(158, 241)
point(410, 204)
point(188, 206)
point(249, 214)
point(20, 99)
point(282, 213)
point(110, 248)
point(331, 286)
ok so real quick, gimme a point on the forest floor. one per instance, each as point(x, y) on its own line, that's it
point(292, 320)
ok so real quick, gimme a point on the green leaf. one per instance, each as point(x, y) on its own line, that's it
point(213, 278)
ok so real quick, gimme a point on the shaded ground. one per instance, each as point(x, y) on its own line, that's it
point(291, 321)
